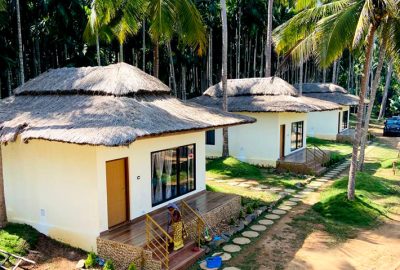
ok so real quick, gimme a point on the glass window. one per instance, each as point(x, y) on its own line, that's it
point(210, 137)
point(345, 119)
point(297, 135)
point(173, 173)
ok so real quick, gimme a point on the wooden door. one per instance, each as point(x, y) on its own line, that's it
point(117, 192)
point(282, 142)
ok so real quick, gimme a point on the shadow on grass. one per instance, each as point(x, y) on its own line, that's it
point(18, 238)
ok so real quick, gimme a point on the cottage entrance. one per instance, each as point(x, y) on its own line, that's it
point(282, 142)
point(117, 191)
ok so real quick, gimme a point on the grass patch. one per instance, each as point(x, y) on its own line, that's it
point(232, 168)
point(332, 146)
point(18, 238)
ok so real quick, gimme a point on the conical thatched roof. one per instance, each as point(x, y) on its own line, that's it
point(272, 86)
point(330, 92)
point(97, 117)
point(118, 79)
point(262, 95)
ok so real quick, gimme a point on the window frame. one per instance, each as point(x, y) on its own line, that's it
point(299, 142)
point(178, 170)
point(213, 137)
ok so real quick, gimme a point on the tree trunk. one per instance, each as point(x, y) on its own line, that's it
point(144, 46)
point(255, 57)
point(3, 211)
point(301, 77)
point(121, 52)
point(262, 56)
point(360, 114)
point(98, 48)
point(172, 69)
point(38, 60)
point(183, 84)
point(156, 60)
point(386, 91)
point(238, 43)
point(334, 72)
point(349, 73)
point(224, 78)
point(9, 82)
point(324, 75)
point(268, 44)
point(20, 49)
point(375, 84)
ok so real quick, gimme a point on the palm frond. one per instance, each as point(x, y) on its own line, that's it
point(364, 20)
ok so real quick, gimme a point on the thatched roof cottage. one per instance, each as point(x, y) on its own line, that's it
point(329, 124)
point(87, 149)
point(281, 117)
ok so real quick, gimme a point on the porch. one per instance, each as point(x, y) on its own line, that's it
point(309, 160)
point(146, 240)
point(346, 136)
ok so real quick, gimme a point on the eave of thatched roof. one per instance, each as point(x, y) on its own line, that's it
point(272, 86)
point(104, 120)
point(118, 79)
point(268, 104)
point(330, 92)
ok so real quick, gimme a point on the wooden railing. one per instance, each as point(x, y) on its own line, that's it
point(188, 211)
point(315, 155)
point(158, 241)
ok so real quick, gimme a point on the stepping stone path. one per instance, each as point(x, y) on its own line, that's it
point(290, 203)
point(294, 200)
point(278, 212)
point(266, 222)
point(232, 248)
point(263, 186)
point(254, 183)
point(224, 256)
point(289, 190)
point(308, 190)
point(304, 192)
point(244, 185)
point(250, 234)
point(241, 241)
point(275, 189)
point(231, 268)
point(272, 216)
point(258, 228)
point(256, 188)
point(285, 207)
point(233, 183)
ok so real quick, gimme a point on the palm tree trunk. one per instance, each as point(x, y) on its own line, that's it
point(349, 73)
point(324, 75)
point(268, 44)
point(262, 56)
point(156, 59)
point(121, 52)
point(183, 84)
point(9, 82)
point(224, 77)
point(172, 69)
point(375, 84)
point(386, 91)
point(360, 114)
point(255, 57)
point(20, 49)
point(3, 211)
point(144, 46)
point(98, 48)
point(334, 72)
point(301, 77)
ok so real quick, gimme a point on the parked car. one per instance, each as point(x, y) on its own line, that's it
point(392, 127)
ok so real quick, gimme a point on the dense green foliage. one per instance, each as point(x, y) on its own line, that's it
point(109, 265)
point(90, 261)
point(233, 168)
point(18, 238)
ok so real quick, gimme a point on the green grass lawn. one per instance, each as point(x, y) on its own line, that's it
point(377, 197)
point(332, 146)
point(18, 238)
point(231, 169)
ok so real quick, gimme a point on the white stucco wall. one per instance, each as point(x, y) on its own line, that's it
point(60, 189)
point(325, 125)
point(53, 187)
point(258, 143)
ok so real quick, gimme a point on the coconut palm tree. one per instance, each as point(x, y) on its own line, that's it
point(3, 212)
point(324, 31)
point(169, 18)
point(224, 77)
point(20, 49)
point(268, 43)
point(386, 90)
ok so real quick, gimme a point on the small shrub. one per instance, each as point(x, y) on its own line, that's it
point(132, 266)
point(232, 221)
point(241, 214)
point(249, 209)
point(256, 204)
point(335, 158)
point(109, 265)
point(90, 261)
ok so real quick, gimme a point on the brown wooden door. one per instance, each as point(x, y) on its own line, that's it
point(282, 142)
point(117, 192)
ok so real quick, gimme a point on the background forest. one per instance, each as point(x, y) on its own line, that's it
point(54, 33)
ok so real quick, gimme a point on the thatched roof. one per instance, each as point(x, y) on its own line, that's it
point(118, 79)
point(102, 119)
point(272, 86)
point(330, 92)
point(262, 95)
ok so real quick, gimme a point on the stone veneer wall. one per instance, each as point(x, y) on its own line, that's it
point(122, 255)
